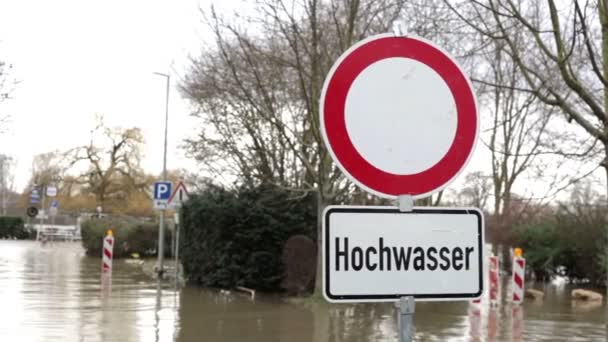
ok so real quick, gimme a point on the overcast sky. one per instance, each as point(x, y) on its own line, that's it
point(74, 59)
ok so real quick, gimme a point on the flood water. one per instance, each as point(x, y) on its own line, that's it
point(55, 293)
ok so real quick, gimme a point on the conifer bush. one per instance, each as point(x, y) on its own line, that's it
point(130, 236)
point(235, 237)
point(13, 228)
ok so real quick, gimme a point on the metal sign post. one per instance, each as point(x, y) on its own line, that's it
point(43, 211)
point(406, 305)
point(397, 90)
point(161, 228)
point(162, 193)
point(176, 254)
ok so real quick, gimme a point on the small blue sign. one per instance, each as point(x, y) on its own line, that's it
point(35, 196)
point(54, 204)
point(162, 190)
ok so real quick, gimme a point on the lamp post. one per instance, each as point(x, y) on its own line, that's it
point(4, 161)
point(161, 229)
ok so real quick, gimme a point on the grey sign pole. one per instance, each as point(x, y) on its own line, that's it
point(176, 255)
point(161, 229)
point(43, 195)
point(406, 305)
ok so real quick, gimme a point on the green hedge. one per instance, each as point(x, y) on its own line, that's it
point(236, 238)
point(572, 242)
point(130, 236)
point(13, 228)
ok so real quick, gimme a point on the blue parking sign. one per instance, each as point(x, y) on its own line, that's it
point(162, 190)
point(162, 193)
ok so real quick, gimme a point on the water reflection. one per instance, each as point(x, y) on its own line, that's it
point(55, 293)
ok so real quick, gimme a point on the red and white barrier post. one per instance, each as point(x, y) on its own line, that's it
point(485, 272)
point(517, 324)
point(106, 255)
point(519, 267)
point(475, 322)
point(494, 279)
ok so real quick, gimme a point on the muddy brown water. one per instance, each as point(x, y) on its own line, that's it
point(55, 293)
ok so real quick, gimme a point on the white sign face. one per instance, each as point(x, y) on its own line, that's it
point(179, 196)
point(162, 192)
point(160, 204)
point(51, 191)
point(42, 214)
point(407, 111)
point(398, 116)
point(379, 254)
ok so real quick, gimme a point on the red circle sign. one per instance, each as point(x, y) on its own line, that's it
point(345, 153)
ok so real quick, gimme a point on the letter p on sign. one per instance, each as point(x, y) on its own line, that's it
point(162, 193)
point(162, 190)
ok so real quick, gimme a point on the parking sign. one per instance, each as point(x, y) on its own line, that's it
point(162, 193)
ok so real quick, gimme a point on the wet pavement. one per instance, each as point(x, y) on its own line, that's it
point(55, 293)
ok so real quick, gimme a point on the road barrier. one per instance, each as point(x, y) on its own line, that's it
point(494, 279)
point(106, 256)
point(519, 267)
point(517, 323)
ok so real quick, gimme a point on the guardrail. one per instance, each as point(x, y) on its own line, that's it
point(59, 232)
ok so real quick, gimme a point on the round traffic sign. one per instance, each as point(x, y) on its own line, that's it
point(398, 116)
point(32, 211)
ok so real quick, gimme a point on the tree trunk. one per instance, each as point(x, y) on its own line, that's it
point(605, 165)
point(319, 276)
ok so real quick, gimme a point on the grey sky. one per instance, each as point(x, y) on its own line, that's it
point(75, 59)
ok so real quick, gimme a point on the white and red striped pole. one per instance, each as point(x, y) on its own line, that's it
point(517, 324)
point(475, 322)
point(485, 273)
point(519, 267)
point(494, 279)
point(107, 254)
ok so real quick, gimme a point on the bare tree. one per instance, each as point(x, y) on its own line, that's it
point(558, 51)
point(476, 190)
point(46, 169)
point(6, 87)
point(112, 163)
point(561, 51)
point(258, 94)
point(6, 180)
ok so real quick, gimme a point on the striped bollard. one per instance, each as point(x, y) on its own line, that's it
point(106, 257)
point(493, 324)
point(475, 322)
point(494, 279)
point(485, 272)
point(519, 267)
point(517, 324)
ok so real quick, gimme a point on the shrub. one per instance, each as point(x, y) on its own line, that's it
point(130, 236)
point(299, 258)
point(542, 246)
point(13, 228)
point(571, 240)
point(235, 238)
point(143, 239)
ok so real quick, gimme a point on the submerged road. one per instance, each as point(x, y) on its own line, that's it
point(55, 293)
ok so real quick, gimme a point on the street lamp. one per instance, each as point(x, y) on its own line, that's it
point(161, 229)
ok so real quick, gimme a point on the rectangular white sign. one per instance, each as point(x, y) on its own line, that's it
point(378, 254)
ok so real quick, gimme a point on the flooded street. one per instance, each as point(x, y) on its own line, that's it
point(54, 293)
